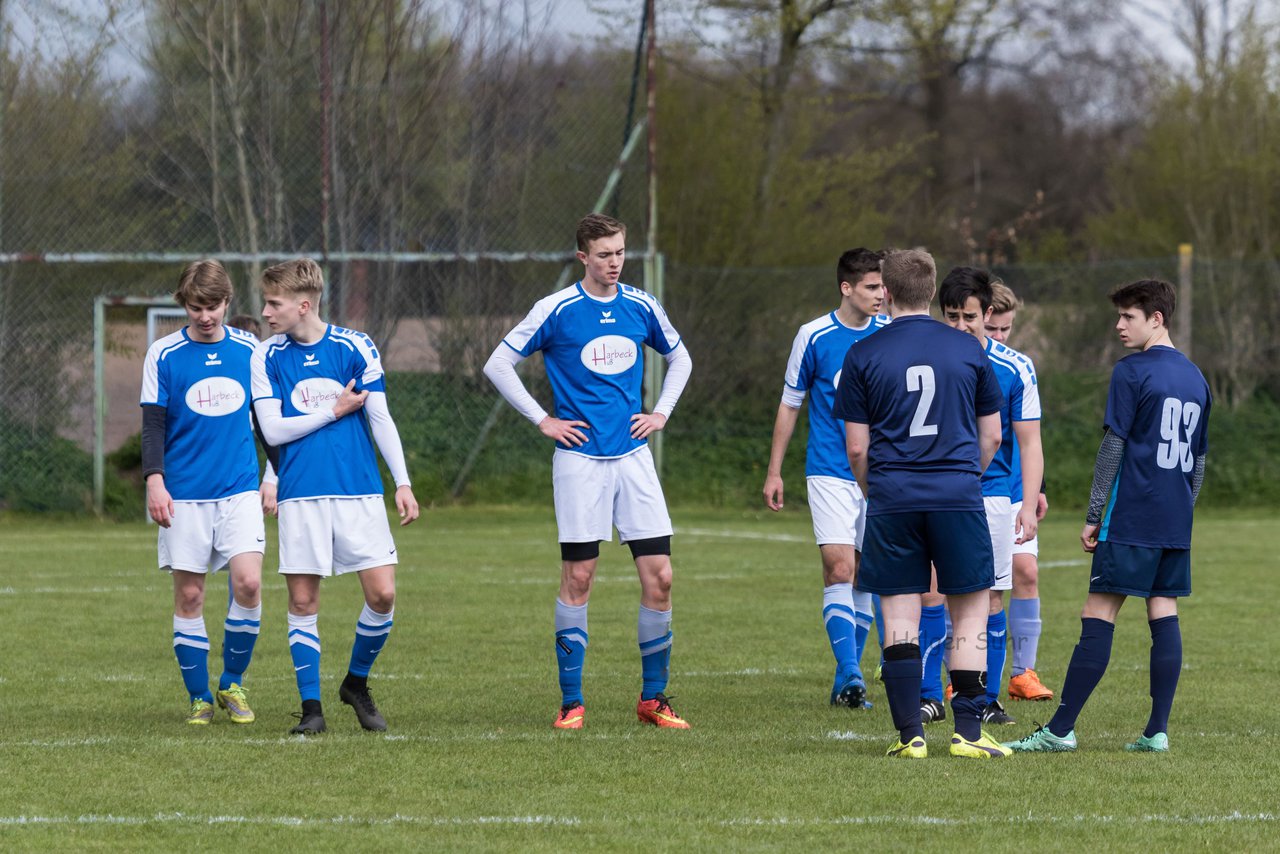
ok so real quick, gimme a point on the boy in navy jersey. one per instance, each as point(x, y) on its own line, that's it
point(591, 336)
point(922, 420)
point(1138, 528)
point(201, 472)
point(835, 501)
point(319, 394)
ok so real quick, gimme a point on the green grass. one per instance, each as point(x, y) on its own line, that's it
point(94, 753)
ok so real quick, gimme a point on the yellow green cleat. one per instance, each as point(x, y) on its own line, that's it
point(984, 747)
point(913, 749)
point(233, 699)
point(201, 713)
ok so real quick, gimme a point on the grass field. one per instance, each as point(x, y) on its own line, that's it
point(94, 753)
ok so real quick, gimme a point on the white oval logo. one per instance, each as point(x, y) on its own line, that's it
point(609, 354)
point(316, 394)
point(216, 396)
point(835, 381)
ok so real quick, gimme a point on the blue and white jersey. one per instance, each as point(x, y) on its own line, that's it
point(336, 461)
point(920, 386)
point(816, 359)
point(1017, 379)
point(1159, 404)
point(204, 389)
point(592, 351)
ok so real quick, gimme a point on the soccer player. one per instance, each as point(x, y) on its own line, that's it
point(836, 502)
point(921, 407)
point(1147, 476)
point(319, 392)
point(966, 296)
point(1024, 602)
point(201, 471)
point(603, 476)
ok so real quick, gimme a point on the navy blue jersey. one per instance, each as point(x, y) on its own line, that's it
point(204, 389)
point(920, 386)
point(1159, 404)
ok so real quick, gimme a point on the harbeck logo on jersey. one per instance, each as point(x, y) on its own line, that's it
point(311, 360)
point(607, 317)
point(315, 394)
point(215, 397)
point(609, 354)
point(213, 359)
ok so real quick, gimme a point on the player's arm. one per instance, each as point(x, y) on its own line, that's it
point(1031, 457)
point(679, 368)
point(988, 438)
point(784, 427)
point(278, 429)
point(1105, 469)
point(387, 438)
point(267, 490)
point(857, 441)
point(1197, 479)
point(1042, 500)
point(159, 502)
point(501, 371)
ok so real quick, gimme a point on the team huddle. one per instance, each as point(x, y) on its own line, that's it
point(923, 437)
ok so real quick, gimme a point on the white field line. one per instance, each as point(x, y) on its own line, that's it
point(724, 534)
point(1087, 820)
point(1053, 564)
point(289, 820)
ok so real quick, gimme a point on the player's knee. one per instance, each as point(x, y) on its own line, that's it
point(189, 601)
point(247, 591)
point(578, 576)
point(650, 547)
point(839, 572)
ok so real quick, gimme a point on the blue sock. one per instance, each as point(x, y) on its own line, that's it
point(838, 617)
point(571, 649)
point(372, 631)
point(863, 615)
point(1024, 633)
point(1166, 665)
point(653, 633)
point(241, 633)
point(875, 606)
point(902, 687)
point(191, 645)
point(1088, 663)
point(933, 638)
point(304, 649)
point(997, 640)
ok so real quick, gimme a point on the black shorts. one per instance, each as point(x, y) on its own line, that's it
point(1140, 571)
point(899, 547)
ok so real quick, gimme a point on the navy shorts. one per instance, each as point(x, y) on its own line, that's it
point(1140, 571)
point(899, 547)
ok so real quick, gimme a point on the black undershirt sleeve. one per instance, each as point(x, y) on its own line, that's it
point(153, 429)
point(1104, 475)
point(1197, 479)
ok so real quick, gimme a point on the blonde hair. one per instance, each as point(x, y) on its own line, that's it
point(203, 283)
point(911, 277)
point(1003, 299)
point(302, 277)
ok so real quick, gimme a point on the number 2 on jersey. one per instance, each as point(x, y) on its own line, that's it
point(920, 379)
point(1178, 423)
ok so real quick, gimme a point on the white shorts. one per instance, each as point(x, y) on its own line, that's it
point(839, 511)
point(333, 536)
point(592, 496)
point(204, 536)
point(1031, 546)
point(1000, 524)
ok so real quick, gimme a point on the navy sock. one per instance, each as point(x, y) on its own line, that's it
point(1088, 663)
point(968, 702)
point(902, 685)
point(1166, 665)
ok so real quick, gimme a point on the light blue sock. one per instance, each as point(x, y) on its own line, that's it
point(304, 649)
point(240, 636)
point(863, 615)
point(933, 640)
point(997, 639)
point(372, 631)
point(1024, 633)
point(191, 646)
point(838, 617)
point(571, 649)
point(653, 632)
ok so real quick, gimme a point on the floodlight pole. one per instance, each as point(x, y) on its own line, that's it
point(99, 404)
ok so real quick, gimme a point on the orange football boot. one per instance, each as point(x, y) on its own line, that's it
point(571, 716)
point(1026, 686)
point(658, 712)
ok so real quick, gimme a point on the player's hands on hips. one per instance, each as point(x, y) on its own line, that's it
point(1089, 538)
point(349, 401)
point(1042, 506)
point(566, 433)
point(159, 502)
point(268, 494)
point(406, 504)
point(1025, 524)
point(773, 492)
point(642, 424)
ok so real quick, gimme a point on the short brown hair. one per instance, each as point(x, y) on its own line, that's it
point(1002, 298)
point(203, 283)
point(910, 277)
point(301, 277)
point(594, 226)
point(1149, 296)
